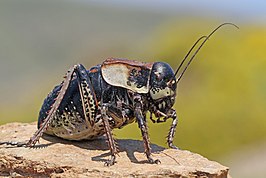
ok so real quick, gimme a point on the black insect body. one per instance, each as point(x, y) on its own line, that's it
point(108, 96)
point(90, 103)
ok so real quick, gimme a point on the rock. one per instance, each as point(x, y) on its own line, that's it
point(54, 157)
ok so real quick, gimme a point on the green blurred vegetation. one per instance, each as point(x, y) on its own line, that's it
point(221, 100)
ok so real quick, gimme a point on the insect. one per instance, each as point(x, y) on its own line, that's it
point(91, 103)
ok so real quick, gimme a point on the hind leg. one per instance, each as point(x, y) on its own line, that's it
point(87, 98)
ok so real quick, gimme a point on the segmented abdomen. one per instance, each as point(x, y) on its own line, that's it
point(69, 122)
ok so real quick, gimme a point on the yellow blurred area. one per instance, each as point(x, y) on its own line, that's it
point(221, 100)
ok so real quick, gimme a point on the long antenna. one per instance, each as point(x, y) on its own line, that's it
point(189, 53)
point(195, 53)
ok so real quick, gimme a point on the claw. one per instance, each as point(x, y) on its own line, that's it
point(157, 161)
point(110, 162)
point(31, 143)
point(174, 147)
point(152, 161)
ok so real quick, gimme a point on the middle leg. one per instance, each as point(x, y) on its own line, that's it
point(110, 140)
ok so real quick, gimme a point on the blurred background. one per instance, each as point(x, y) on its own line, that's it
point(222, 97)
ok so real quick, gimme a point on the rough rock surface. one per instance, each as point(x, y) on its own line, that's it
point(55, 157)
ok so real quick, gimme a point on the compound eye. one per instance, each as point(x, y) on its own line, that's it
point(158, 76)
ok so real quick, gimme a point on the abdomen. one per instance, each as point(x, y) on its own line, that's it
point(69, 122)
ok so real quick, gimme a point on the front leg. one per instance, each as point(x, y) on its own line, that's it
point(171, 134)
point(170, 114)
point(143, 127)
